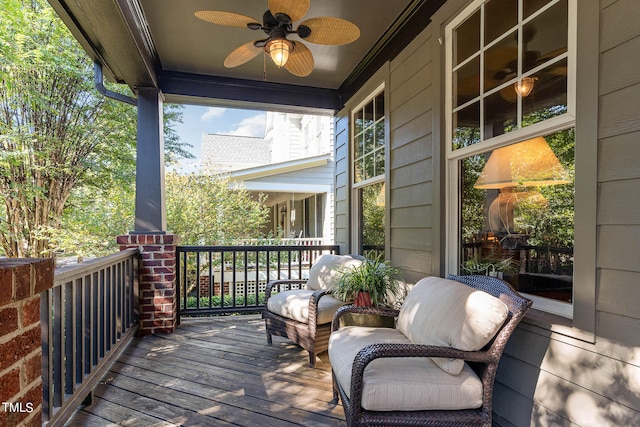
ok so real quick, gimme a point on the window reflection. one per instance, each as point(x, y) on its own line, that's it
point(546, 36)
point(500, 16)
point(512, 55)
point(372, 204)
point(549, 96)
point(517, 215)
point(467, 39)
point(501, 62)
point(532, 6)
point(466, 82)
point(466, 126)
point(369, 139)
point(501, 115)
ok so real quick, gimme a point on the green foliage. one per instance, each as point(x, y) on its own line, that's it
point(373, 215)
point(204, 210)
point(63, 146)
point(228, 301)
point(380, 279)
point(91, 222)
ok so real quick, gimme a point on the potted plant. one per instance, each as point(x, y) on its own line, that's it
point(491, 267)
point(375, 282)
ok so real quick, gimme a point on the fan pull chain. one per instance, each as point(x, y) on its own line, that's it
point(264, 65)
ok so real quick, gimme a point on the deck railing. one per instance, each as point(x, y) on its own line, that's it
point(232, 279)
point(87, 318)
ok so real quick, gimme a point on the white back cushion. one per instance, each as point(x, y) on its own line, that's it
point(447, 313)
point(325, 273)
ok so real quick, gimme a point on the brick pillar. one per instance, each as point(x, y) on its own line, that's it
point(157, 293)
point(21, 281)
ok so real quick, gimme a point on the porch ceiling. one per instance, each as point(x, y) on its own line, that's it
point(161, 44)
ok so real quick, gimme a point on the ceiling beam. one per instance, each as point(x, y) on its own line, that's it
point(115, 34)
point(261, 95)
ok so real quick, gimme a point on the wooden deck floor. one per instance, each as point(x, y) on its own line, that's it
point(213, 372)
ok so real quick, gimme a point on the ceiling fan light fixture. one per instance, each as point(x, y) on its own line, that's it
point(279, 50)
point(524, 86)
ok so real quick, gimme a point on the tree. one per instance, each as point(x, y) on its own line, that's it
point(57, 133)
point(204, 210)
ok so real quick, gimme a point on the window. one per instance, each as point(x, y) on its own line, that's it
point(369, 143)
point(509, 69)
point(511, 134)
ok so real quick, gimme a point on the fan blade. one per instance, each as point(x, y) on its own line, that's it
point(244, 53)
point(225, 18)
point(331, 31)
point(295, 9)
point(300, 61)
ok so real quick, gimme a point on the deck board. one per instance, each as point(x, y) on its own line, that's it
point(213, 372)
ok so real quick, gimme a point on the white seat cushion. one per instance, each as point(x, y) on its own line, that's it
point(327, 269)
point(447, 313)
point(403, 384)
point(294, 305)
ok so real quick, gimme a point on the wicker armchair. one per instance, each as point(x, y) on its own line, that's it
point(394, 377)
point(302, 310)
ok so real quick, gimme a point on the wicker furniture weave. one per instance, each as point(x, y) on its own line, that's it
point(310, 336)
point(484, 363)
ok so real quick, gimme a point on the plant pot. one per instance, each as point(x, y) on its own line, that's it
point(370, 320)
point(362, 299)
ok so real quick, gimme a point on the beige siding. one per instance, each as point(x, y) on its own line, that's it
point(619, 169)
point(342, 181)
point(556, 379)
point(411, 236)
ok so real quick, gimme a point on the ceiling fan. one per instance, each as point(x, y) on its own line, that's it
point(277, 23)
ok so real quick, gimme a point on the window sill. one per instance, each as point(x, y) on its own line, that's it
point(556, 324)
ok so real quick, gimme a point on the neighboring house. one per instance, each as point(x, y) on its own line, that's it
point(227, 153)
point(292, 165)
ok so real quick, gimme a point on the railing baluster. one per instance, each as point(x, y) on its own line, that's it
point(100, 314)
point(67, 321)
point(83, 329)
point(119, 294)
point(95, 319)
point(58, 344)
point(46, 302)
point(210, 284)
point(198, 279)
point(223, 256)
point(246, 262)
point(86, 324)
point(246, 278)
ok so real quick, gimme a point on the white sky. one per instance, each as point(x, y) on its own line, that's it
point(197, 120)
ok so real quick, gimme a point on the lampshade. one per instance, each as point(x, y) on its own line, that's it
point(524, 86)
point(530, 163)
point(279, 50)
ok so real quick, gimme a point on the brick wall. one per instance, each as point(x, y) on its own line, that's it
point(21, 281)
point(158, 297)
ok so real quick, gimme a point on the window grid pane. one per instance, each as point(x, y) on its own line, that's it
point(369, 140)
point(512, 55)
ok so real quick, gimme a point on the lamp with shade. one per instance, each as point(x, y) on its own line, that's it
point(531, 163)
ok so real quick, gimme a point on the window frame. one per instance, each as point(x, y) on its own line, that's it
point(453, 157)
point(356, 187)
